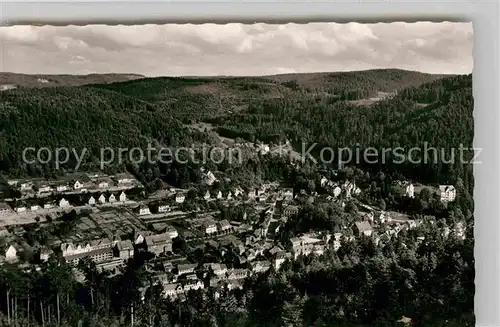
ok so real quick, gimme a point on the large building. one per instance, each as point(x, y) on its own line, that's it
point(99, 250)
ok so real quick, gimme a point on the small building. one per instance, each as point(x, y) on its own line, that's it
point(363, 228)
point(44, 189)
point(162, 207)
point(290, 210)
point(448, 193)
point(219, 195)
point(125, 179)
point(112, 198)
point(123, 197)
point(91, 201)
point(102, 199)
point(159, 243)
point(188, 268)
point(206, 196)
point(20, 209)
point(180, 197)
point(34, 207)
point(125, 249)
point(62, 188)
point(209, 227)
point(144, 210)
point(224, 225)
point(410, 191)
point(11, 254)
point(5, 209)
point(77, 185)
point(63, 203)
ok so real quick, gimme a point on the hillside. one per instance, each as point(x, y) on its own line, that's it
point(199, 97)
point(11, 80)
point(311, 108)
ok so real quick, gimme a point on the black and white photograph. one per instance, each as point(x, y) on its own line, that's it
point(237, 175)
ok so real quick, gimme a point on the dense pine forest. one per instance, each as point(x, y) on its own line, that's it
point(320, 109)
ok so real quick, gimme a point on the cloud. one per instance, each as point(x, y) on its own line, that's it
point(236, 49)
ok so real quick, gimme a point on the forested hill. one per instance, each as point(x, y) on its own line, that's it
point(14, 80)
point(319, 108)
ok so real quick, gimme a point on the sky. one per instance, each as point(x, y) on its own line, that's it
point(236, 49)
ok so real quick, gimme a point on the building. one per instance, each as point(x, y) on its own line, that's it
point(102, 199)
point(336, 191)
point(77, 185)
point(224, 225)
point(206, 196)
point(99, 250)
point(44, 189)
point(5, 209)
point(91, 201)
point(188, 268)
point(163, 207)
point(104, 182)
point(20, 209)
point(448, 193)
point(112, 198)
point(363, 228)
point(144, 210)
point(35, 207)
point(410, 191)
point(61, 188)
point(209, 227)
point(290, 210)
point(11, 254)
point(63, 203)
point(125, 249)
point(124, 179)
point(217, 268)
point(180, 197)
point(219, 195)
point(159, 243)
point(235, 274)
point(307, 244)
point(260, 266)
point(122, 197)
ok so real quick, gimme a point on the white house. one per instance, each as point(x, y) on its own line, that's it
point(229, 195)
point(448, 193)
point(11, 254)
point(219, 195)
point(26, 186)
point(44, 189)
point(34, 207)
point(20, 209)
point(180, 197)
point(209, 227)
point(102, 199)
point(64, 203)
point(77, 185)
point(91, 201)
point(5, 208)
point(112, 198)
point(336, 191)
point(323, 181)
point(123, 197)
point(207, 195)
point(144, 210)
point(61, 188)
point(163, 208)
point(410, 191)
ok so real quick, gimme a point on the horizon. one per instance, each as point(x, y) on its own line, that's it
point(234, 76)
point(209, 50)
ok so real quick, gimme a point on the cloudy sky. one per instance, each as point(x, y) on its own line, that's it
point(236, 49)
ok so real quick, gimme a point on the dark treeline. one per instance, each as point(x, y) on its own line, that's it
point(436, 115)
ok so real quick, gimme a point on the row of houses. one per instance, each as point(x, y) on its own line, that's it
point(77, 182)
point(5, 209)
